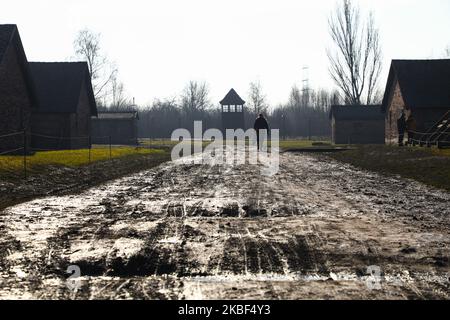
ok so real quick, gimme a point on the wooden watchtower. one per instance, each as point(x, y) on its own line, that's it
point(232, 111)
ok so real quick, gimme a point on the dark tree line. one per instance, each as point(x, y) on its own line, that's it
point(304, 115)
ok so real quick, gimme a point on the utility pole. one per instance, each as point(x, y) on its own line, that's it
point(305, 87)
point(25, 150)
point(306, 96)
point(149, 128)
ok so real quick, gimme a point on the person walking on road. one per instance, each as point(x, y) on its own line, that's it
point(401, 127)
point(411, 126)
point(260, 124)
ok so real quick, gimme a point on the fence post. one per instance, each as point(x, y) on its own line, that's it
point(309, 129)
point(110, 149)
point(25, 154)
point(90, 147)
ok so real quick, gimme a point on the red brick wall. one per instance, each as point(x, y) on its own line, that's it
point(15, 100)
point(395, 107)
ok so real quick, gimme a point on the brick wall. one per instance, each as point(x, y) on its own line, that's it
point(394, 110)
point(15, 100)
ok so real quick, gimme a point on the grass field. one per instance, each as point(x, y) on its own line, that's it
point(10, 165)
point(284, 144)
point(301, 144)
point(428, 165)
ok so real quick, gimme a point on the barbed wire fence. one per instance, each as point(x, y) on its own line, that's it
point(442, 138)
point(23, 150)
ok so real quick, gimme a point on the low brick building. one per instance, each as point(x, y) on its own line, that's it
point(420, 88)
point(66, 105)
point(120, 127)
point(357, 124)
point(17, 95)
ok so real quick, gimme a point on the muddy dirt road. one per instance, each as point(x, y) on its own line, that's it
point(316, 230)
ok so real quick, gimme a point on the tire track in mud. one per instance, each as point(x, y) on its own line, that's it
point(246, 252)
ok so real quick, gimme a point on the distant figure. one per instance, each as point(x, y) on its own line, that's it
point(401, 126)
point(260, 124)
point(411, 126)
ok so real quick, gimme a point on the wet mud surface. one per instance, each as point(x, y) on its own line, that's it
point(318, 229)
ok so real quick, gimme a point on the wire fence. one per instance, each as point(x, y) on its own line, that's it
point(439, 138)
point(22, 151)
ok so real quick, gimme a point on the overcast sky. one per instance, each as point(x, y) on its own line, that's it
point(159, 45)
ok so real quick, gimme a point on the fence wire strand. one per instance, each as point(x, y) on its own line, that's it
point(11, 134)
point(81, 150)
point(10, 151)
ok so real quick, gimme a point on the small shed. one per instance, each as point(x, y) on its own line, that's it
point(357, 124)
point(120, 127)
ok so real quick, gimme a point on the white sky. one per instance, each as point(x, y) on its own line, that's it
point(159, 45)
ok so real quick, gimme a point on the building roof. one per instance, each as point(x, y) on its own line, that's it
point(59, 84)
point(109, 115)
point(423, 83)
point(231, 99)
point(357, 113)
point(9, 35)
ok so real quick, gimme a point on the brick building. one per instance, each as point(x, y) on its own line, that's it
point(357, 125)
point(421, 88)
point(17, 95)
point(120, 127)
point(66, 105)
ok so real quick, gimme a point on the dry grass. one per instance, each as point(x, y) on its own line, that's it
point(430, 166)
point(302, 144)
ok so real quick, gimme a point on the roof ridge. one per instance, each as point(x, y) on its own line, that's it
point(422, 60)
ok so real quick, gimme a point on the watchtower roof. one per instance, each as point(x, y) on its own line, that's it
point(232, 98)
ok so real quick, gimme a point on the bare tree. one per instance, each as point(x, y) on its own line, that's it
point(257, 99)
point(295, 98)
point(194, 97)
point(356, 60)
point(119, 99)
point(102, 71)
